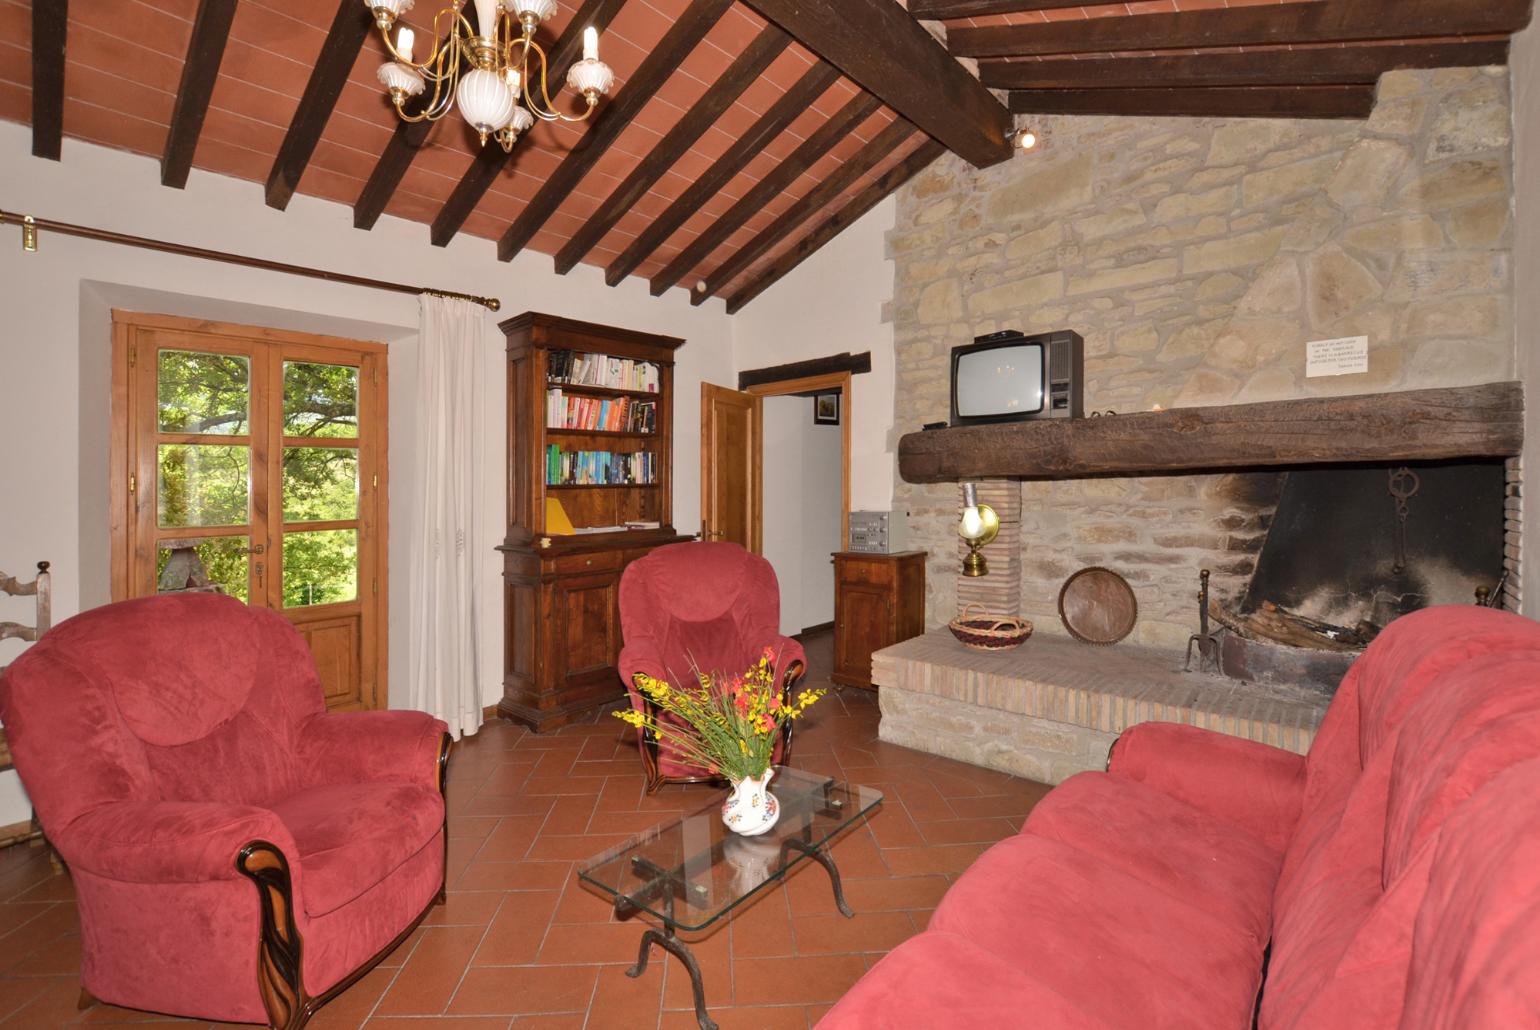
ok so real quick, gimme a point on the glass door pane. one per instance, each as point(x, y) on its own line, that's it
point(319, 491)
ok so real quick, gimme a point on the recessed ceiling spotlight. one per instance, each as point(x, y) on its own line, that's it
point(1024, 139)
point(700, 286)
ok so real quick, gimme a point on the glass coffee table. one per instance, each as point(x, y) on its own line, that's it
point(693, 871)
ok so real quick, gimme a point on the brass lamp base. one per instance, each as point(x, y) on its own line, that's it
point(974, 565)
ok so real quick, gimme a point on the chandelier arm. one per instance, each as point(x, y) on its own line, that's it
point(442, 44)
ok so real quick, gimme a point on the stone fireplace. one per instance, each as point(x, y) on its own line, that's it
point(1197, 257)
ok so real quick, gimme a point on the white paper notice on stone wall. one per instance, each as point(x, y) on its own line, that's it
point(1347, 356)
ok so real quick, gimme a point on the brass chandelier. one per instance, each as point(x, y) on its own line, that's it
point(498, 77)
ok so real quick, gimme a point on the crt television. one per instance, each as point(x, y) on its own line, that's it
point(1010, 377)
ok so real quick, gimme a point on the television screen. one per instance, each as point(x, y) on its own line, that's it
point(999, 382)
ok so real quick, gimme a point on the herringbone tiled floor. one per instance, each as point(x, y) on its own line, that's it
point(520, 945)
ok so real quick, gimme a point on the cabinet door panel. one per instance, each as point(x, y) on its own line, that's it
point(585, 609)
point(863, 622)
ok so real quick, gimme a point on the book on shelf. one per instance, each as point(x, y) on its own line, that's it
point(598, 468)
point(614, 415)
point(576, 368)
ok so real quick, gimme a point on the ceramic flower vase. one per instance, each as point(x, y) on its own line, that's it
point(751, 809)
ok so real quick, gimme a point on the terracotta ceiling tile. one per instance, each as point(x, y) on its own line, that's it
point(112, 128)
point(15, 103)
point(16, 65)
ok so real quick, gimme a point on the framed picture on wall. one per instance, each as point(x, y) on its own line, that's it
point(826, 409)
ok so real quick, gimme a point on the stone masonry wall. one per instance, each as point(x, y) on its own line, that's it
point(1196, 257)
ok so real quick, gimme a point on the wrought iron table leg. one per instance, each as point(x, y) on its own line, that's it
point(826, 860)
point(677, 948)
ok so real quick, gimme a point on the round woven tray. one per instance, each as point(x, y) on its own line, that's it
point(985, 632)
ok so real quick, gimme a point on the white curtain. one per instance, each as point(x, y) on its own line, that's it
point(445, 598)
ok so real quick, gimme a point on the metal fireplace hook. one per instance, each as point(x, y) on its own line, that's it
point(1208, 643)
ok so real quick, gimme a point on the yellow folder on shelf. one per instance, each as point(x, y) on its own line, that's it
point(556, 521)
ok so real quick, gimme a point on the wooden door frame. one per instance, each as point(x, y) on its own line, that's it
point(372, 362)
point(824, 383)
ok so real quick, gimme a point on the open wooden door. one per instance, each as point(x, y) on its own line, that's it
point(732, 491)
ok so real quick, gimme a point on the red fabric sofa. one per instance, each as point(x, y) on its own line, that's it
point(237, 853)
point(1389, 879)
point(708, 606)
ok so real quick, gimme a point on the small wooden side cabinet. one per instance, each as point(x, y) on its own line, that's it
point(879, 599)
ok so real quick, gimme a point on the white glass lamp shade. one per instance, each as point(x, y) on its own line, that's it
point(521, 120)
point(387, 11)
point(591, 78)
point(485, 101)
point(400, 78)
point(541, 10)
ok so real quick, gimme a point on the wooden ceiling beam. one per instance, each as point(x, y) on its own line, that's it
point(837, 223)
point(350, 26)
point(1324, 66)
point(613, 119)
point(205, 51)
point(815, 200)
point(945, 10)
point(491, 159)
point(50, 27)
point(771, 124)
point(767, 189)
point(1202, 102)
point(388, 172)
point(882, 48)
point(719, 96)
point(1330, 21)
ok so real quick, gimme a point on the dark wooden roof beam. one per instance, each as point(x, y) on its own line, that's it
point(350, 26)
point(491, 159)
point(771, 124)
point(881, 47)
point(205, 51)
point(767, 189)
point(836, 223)
point(1323, 66)
point(816, 199)
point(1202, 102)
point(719, 96)
point(1330, 21)
point(50, 26)
point(613, 119)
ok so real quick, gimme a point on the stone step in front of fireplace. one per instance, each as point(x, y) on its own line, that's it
point(1053, 706)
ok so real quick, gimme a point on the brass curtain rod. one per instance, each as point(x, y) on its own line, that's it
point(31, 225)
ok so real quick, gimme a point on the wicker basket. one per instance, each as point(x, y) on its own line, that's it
point(977, 629)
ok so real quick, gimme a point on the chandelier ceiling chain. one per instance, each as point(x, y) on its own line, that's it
point(486, 74)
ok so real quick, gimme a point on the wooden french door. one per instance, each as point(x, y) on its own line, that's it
point(731, 476)
point(252, 462)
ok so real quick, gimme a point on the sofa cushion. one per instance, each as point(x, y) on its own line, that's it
point(965, 987)
point(1170, 846)
point(1130, 956)
point(352, 836)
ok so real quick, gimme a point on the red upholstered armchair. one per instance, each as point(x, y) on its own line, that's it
point(708, 606)
point(237, 853)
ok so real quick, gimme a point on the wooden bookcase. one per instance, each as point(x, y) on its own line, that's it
point(561, 591)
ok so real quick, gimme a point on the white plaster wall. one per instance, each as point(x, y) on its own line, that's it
point(821, 521)
point(781, 538)
point(833, 303)
point(1524, 64)
point(802, 510)
point(56, 334)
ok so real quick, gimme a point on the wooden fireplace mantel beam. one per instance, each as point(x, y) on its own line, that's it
point(1418, 425)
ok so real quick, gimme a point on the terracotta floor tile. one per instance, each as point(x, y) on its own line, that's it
point(777, 1017)
point(968, 831)
point(521, 945)
point(623, 1003)
point(433, 972)
point(516, 931)
point(770, 981)
point(516, 990)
